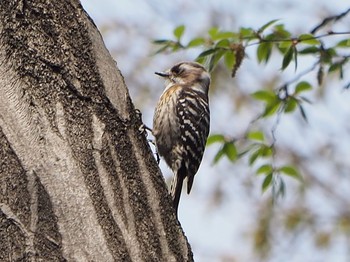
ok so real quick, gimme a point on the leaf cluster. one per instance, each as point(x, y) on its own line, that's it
point(229, 48)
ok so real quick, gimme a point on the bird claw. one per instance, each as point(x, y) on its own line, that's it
point(156, 153)
point(142, 128)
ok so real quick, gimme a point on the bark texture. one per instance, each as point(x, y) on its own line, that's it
point(78, 181)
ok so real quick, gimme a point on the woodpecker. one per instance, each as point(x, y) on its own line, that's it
point(181, 122)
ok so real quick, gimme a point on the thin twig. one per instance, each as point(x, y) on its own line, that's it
point(328, 20)
point(296, 40)
point(302, 74)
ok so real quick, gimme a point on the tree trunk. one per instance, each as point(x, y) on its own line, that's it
point(78, 181)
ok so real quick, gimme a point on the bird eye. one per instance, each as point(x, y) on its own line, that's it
point(176, 70)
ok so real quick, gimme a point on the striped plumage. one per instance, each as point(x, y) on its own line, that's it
point(181, 122)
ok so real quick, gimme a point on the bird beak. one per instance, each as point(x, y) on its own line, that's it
point(162, 74)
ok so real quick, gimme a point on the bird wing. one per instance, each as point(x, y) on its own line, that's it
point(193, 109)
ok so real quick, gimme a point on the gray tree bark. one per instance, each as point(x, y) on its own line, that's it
point(78, 181)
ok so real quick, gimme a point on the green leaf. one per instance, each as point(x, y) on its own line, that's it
point(207, 52)
point(223, 35)
point(328, 54)
point(264, 169)
point(302, 87)
point(266, 151)
point(254, 156)
point(227, 149)
point(218, 155)
point(162, 49)
point(290, 171)
point(213, 32)
point(341, 73)
point(161, 41)
point(295, 58)
point(288, 56)
point(196, 42)
point(281, 191)
point(335, 67)
point(281, 32)
point(230, 151)
point(201, 60)
point(272, 101)
point(264, 95)
point(338, 66)
point(256, 135)
point(223, 43)
point(268, 24)
point(283, 46)
point(344, 43)
point(309, 50)
point(264, 51)
point(246, 32)
point(308, 39)
point(302, 112)
point(179, 31)
point(262, 151)
point(267, 182)
point(290, 105)
point(243, 152)
point(271, 37)
point(230, 59)
point(217, 138)
point(176, 46)
point(272, 108)
point(215, 58)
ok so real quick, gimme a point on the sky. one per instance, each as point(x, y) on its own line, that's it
point(221, 232)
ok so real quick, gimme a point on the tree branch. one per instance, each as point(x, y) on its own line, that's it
point(328, 20)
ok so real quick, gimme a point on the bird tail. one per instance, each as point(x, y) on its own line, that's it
point(176, 187)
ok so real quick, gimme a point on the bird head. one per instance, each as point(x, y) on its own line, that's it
point(186, 73)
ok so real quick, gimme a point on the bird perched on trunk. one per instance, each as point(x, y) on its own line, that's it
point(181, 122)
